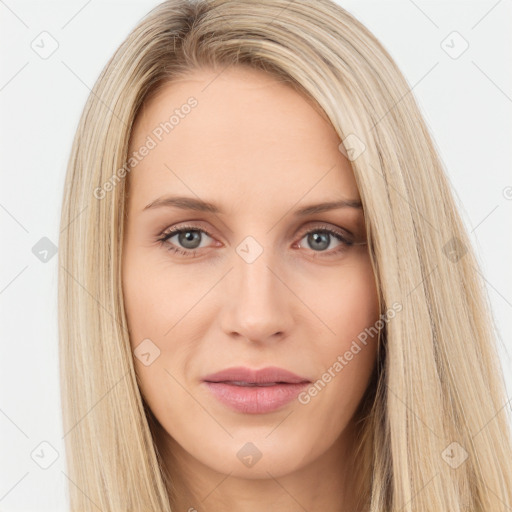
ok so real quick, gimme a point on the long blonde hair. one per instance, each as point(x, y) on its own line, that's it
point(434, 430)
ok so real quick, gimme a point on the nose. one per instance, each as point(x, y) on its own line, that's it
point(257, 304)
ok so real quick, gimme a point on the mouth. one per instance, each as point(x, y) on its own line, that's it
point(255, 391)
point(251, 384)
point(270, 375)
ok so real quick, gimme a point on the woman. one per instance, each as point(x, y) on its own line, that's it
point(270, 302)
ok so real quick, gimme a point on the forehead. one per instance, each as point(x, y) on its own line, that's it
point(248, 135)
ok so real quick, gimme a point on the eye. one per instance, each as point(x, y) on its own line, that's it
point(189, 239)
point(320, 240)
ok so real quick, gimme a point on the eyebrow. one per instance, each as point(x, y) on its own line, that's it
point(190, 203)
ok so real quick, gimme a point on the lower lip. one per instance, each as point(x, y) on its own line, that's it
point(255, 399)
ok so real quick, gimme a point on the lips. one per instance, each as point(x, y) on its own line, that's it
point(255, 391)
point(241, 376)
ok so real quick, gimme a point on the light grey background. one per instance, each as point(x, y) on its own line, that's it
point(467, 102)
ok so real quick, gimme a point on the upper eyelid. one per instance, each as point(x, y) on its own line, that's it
point(318, 225)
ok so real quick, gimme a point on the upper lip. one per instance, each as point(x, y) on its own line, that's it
point(262, 376)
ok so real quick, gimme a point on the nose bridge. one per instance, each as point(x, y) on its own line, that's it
point(258, 302)
point(255, 282)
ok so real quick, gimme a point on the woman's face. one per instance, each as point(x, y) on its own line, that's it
point(257, 278)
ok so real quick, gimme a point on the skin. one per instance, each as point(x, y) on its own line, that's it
point(260, 151)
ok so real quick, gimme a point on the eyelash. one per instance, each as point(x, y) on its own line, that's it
point(191, 253)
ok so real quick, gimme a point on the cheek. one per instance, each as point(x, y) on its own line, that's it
point(355, 314)
point(155, 297)
point(355, 303)
point(159, 303)
point(344, 299)
point(348, 353)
